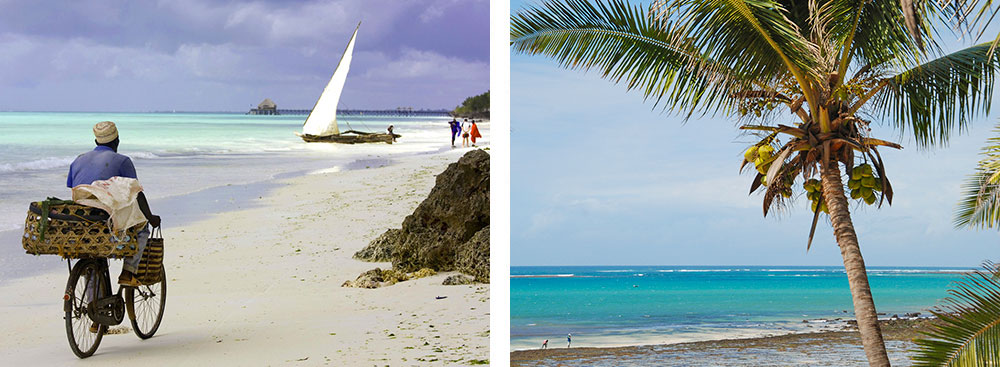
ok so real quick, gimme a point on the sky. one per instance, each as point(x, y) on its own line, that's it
point(210, 55)
point(598, 177)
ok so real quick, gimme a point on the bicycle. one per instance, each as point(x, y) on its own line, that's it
point(88, 302)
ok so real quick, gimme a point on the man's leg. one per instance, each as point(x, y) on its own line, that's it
point(131, 264)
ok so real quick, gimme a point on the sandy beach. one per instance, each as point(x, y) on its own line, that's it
point(262, 286)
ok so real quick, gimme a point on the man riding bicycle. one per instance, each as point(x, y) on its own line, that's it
point(103, 163)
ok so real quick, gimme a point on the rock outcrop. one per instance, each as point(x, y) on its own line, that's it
point(379, 278)
point(458, 279)
point(379, 250)
point(473, 256)
point(450, 229)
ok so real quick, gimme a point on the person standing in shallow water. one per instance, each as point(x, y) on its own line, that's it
point(545, 344)
point(466, 127)
point(474, 132)
point(569, 340)
point(455, 129)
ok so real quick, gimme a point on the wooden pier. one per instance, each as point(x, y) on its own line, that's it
point(399, 112)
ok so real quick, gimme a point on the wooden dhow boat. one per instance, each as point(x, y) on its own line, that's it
point(321, 124)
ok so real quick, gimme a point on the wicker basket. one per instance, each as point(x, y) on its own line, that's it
point(149, 270)
point(74, 231)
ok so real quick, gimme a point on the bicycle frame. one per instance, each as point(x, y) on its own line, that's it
point(102, 307)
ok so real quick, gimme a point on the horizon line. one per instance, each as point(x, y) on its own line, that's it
point(726, 265)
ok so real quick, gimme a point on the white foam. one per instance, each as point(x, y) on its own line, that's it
point(37, 165)
point(334, 169)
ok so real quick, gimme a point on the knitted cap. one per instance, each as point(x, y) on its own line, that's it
point(105, 131)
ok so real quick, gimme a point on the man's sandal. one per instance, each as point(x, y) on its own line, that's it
point(130, 281)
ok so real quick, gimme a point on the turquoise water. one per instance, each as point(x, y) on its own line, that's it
point(178, 153)
point(612, 306)
point(185, 161)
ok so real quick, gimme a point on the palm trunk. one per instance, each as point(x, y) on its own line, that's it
point(854, 266)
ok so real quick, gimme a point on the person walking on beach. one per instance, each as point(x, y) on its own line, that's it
point(474, 133)
point(569, 340)
point(455, 129)
point(545, 344)
point(103, 163)
point(466, 126)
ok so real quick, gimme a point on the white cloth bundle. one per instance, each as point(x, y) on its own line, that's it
point(117, 196)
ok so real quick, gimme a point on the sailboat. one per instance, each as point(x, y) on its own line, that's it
point(321, 124)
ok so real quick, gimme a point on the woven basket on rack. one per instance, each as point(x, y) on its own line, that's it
point(71, 230)
point(149, 270)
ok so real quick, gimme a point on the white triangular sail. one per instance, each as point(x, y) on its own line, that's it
point(322, 121)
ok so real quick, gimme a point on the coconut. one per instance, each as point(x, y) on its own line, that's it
point(766, 150)
point(870, 199)
point(750, 154)
point(866, 191)
point(855, 193)
point(854, 184)
point(868, 181)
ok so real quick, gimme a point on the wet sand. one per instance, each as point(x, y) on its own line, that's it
point(832, 348)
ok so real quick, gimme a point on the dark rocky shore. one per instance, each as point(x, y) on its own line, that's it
point(449, 231)
point(831, 348)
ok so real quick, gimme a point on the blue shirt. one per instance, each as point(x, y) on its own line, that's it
point(101, 163)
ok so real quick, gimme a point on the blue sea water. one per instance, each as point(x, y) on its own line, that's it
point(188, 163)
point(639, 305)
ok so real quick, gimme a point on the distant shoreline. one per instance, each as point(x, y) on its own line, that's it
point(810, 348)
point(929, 268)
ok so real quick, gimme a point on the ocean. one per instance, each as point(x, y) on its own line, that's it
point(190, 164)
point(604, 306)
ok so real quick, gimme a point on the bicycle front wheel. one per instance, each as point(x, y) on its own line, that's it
point(145, 305)
point(86, 283)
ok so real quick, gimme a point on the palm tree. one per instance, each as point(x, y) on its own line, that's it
point(836, 65)
point(968, 330)
point(979, 207)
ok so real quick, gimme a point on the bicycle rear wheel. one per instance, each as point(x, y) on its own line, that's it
point(86, 283)
point(145, 306)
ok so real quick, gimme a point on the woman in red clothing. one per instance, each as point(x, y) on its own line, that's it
point(474, 132)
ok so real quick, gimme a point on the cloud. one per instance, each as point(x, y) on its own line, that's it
point(437, 9)
point(285, 50)
point(425, 64)
point(543, 221)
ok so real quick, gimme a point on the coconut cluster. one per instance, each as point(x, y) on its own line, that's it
point(864, 184)
point(814, 191)
point(762, 156)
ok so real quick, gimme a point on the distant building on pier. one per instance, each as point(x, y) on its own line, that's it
point(266, 107)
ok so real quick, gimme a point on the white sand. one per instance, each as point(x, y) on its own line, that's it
point(262, 287)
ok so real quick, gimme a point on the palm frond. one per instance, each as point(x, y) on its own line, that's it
point(968, 331)
point(979, 206)
point(931, 100)
point(769, 44)
point(883, 36)
point(767, 39)
point(626, 45)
